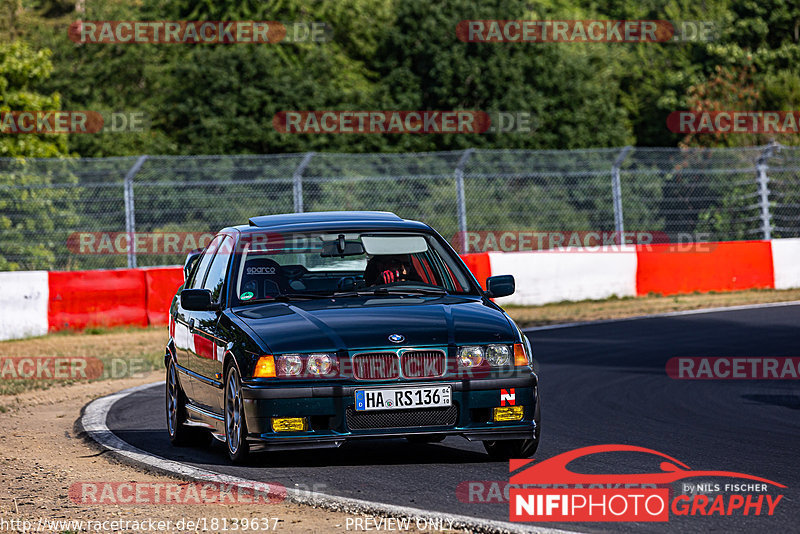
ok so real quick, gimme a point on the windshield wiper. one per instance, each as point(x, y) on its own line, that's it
point(286, 297)
point(420, 290)
point(395, 290)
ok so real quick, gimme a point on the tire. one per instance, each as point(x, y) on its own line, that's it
point(425, 439)
point(176, 409)
point(235, 424)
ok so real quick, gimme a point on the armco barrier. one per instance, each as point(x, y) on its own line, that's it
point(161, 283)
point(79, 299)
point(33, 303)
point(730, 266)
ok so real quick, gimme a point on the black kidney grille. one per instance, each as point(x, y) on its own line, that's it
point(423, 363)
point(447, 416)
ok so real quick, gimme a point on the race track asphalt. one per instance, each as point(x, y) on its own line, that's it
point(600, 383)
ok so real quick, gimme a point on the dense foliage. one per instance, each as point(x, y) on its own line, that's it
point(385, 54)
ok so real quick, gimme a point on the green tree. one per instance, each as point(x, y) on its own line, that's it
point(31, 216)
point(569, 89)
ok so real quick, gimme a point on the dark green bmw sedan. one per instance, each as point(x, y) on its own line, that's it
point(313, 329)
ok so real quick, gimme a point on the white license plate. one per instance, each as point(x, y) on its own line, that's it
point(402, 398)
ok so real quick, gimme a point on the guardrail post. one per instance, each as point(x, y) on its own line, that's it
point(616, 192)
point(130, 214)
point(763, 189)
point(461, 202)
point(297, 182)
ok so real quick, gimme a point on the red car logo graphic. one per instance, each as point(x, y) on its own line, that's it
point(554, 470)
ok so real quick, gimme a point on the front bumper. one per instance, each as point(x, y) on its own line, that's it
point(329, 408)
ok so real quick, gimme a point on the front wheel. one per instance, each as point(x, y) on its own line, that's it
point(176, 408)
point(235, 425)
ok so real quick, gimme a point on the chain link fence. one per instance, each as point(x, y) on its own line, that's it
point(46, 205)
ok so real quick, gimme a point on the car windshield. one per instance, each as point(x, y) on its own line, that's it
point(320, 265)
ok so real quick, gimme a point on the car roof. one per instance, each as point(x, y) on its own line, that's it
point(331, 220)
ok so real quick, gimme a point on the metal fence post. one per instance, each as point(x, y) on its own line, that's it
point(461, 202)
point(616, 192)
point(297, 181)
point(763, 189)
point(130, 215)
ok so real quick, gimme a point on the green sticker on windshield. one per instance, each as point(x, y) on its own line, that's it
point(247, 295)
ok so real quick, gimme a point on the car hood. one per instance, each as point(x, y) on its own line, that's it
point(355, 324)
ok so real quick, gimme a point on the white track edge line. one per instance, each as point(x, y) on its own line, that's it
point(665, 314)
point(93, 421)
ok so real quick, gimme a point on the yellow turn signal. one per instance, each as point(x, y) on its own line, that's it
point(520, 358)
point(265, 367)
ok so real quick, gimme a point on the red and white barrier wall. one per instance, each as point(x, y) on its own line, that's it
point(546, 276)
point(36, 302)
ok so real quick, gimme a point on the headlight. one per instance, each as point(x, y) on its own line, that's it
point(319, 364)
point(498, 355)
point(470, 356)
point(289, 365)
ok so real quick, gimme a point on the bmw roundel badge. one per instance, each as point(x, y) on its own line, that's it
point(397, 338)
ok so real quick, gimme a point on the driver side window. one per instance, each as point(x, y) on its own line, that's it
point(217, 271)
point(199, 275)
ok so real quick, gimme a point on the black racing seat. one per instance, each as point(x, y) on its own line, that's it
point(264, 278)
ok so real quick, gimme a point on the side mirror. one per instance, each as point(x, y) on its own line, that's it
point(191, 259)
point(197, 300)
point(500, 286)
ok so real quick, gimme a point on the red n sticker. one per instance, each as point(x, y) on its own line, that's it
point(508, 396)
